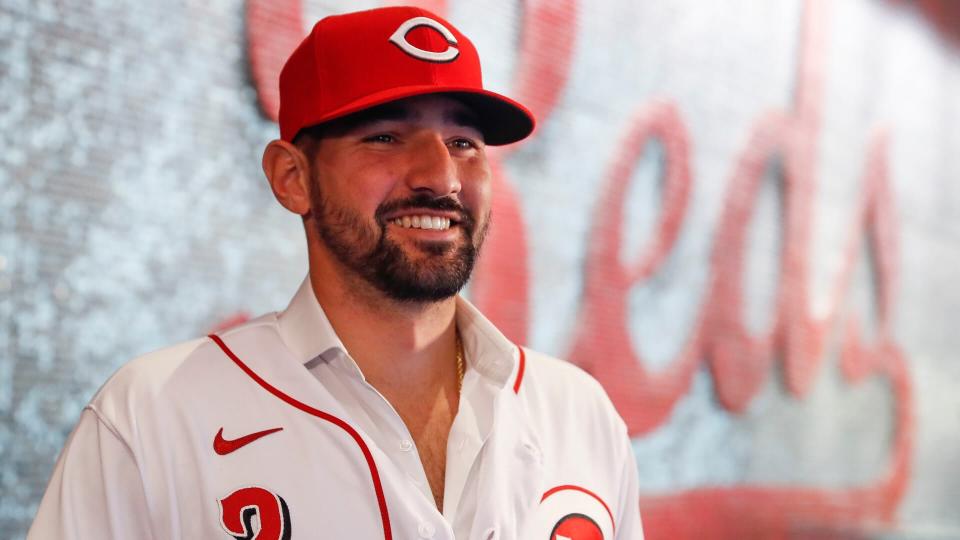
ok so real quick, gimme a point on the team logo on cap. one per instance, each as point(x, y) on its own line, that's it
point(399, 38)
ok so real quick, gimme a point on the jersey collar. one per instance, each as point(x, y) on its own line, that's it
point(305, 329)
point(485, 348)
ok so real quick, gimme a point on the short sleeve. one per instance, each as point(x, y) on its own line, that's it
point(96, 491)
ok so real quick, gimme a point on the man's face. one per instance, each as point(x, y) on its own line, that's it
point(401, 198)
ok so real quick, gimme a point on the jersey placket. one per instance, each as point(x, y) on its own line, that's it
point(470, 430)
point(374, 416)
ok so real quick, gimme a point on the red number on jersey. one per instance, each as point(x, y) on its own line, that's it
point(238, 509)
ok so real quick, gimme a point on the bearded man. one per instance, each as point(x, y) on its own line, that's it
point(380, 403)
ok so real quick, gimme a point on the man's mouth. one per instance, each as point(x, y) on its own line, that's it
point(435, 223)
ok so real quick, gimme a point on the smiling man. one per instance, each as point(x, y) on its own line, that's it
point(379, 404)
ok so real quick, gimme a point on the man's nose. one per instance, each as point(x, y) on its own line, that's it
point(433, 168)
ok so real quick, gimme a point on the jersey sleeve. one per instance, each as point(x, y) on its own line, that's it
point(96, 489)
point(629, 526)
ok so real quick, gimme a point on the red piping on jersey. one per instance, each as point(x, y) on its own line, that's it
point(582, 490)
point(374, 474)
point(520, 366)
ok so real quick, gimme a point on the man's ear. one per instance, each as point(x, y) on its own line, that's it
point(288, 172)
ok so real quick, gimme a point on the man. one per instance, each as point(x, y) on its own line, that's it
point(379, 404)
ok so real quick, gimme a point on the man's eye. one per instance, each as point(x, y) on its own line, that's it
point(381, 138)
point(463, 144)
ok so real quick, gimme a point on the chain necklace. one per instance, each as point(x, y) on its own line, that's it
point(460, 367)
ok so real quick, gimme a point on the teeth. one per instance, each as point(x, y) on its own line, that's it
point(436, 223)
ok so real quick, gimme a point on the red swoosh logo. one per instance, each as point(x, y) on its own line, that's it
point(225, 446)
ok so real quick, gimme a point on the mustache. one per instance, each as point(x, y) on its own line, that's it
point(425, 202)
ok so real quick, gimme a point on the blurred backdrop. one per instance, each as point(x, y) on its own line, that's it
point(742, 217)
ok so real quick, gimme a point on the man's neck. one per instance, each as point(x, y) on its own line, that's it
point(395, 344)
point(408, 353)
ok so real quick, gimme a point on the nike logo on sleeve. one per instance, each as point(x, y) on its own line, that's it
point(225, 446)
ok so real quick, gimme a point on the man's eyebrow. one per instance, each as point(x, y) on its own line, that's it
point(395, 112)
point(463, 118)
point(388, 112)
point(382, 113)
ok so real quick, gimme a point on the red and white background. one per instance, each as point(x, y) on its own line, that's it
point(742, 217)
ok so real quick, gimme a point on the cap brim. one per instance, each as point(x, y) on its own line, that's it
point(500, 119)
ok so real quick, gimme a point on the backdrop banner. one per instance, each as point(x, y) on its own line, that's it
point(741, 217)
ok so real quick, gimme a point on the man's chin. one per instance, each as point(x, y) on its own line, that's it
point(426, 250)
point(425, 290)
point(428, 278)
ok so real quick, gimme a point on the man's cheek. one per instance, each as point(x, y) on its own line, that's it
point(480, 229)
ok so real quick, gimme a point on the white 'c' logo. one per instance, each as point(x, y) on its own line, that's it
point(399, 38)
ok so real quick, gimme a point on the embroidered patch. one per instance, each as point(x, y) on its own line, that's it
point(570, 512)
point(238, 509)
point(576, 527)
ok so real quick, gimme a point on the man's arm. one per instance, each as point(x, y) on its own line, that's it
point(95, 490)
point(629, 526)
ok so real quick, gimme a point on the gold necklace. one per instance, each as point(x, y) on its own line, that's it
point(459, 361)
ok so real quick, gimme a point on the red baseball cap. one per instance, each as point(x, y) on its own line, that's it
point(359, 60)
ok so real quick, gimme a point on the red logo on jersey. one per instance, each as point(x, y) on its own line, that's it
point(238, 508)
point(576, 527)
point(224, 446)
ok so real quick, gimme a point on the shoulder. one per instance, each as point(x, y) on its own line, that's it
point(555, 389)
point(156, 380)
point(143, 376)
point(550, 376)
point(544, 370)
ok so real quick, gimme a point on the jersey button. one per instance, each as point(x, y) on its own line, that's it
point(532, 452)
point(406, 445)
point(426, 530)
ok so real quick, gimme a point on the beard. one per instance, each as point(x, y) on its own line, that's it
point(440, 271)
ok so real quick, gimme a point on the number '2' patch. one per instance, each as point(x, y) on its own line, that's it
point(238, 509)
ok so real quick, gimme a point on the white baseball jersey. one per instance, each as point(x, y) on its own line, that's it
point(268, 431)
